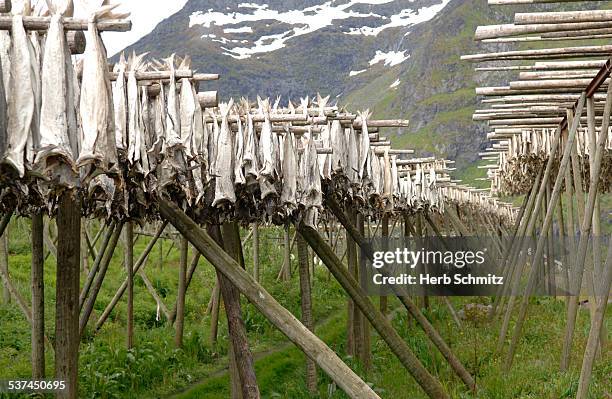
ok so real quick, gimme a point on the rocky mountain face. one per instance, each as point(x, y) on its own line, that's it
point(397, 57)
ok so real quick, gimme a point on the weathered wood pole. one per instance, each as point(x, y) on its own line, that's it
point(96, 265)
point(67, 335)
point(314, 348)
point(539, 252)
point(384, 306)
point(585, 230)
point(256, 270)
point(38, 297)
point(129, 268)
point(235, 323)
point(428, 383)
point(180, 299)
point(414, 310)
point(97, 284)
point(306, 306)
point(366, 347)
point(597, 325)
point(353, 264)
point(286, 271)
point(139, 263)
point(4, 265)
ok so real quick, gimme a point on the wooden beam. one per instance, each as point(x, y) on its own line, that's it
point(316, 349)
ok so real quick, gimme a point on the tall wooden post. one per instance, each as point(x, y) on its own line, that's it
point(6, 293)
point(306, 306)
point(355, 315)
point(366, 347)
point(38, 297)
point(129, 268)
point(256, 270)
point(180, 300)
point(385, 236)
point(231, 297)
point(67, 294)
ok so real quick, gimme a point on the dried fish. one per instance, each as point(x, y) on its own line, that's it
point(289, 191)
point(310, 193)
point(22, 106)
point(120, 104)
point(96, 102)
point(58, 121)
point(224, 182)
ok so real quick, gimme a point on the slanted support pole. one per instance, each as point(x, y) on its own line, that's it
point(256, 267)
point(97, 285)
point(180, 300)
point(430, 331)
point(597, 325)
point(67, 335)
point(129, 269)
point(139, 263)
point(428, 383)
point(38, 297)
point(539, 252)
point(314, 348)
point(4, 222)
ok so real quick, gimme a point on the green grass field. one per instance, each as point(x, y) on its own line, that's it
point(155, 369)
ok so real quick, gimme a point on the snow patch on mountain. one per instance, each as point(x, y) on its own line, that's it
point(355, 73)
point(390, 58)
point(406, 17)
point(302, 22)
point(395, 84)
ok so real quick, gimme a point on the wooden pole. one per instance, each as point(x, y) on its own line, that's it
point(585, 229)
point(597, 324)
point(67, 294)
point(97, 284)
point(306, 306)
point(139, 263)
point(256, 271)
point(180, 300)
point(427, 327)
point(428, 383)
point(385, 237)
point(366, 350)
point(539, 252)
point(4, 266)
point(38, 298)
point(237, 330)
point(314, 348)
point(129, 268)
point(355, 315)
point(96, 266)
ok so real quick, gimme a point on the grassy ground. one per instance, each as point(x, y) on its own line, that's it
point(155, 369)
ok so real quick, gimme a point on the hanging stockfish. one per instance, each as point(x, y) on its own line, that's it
point(135, 143)
point(173, 166)
point(352, 159)
point(387, 191)
point(325, 138)
point(339, 144)
point(33, 143)
point(268, 153)
point(250, 163)
point(239, 178)
point(120, 105)
point(199, 164)
point(224, 180)
point(22, 106)
point(96, 105)
point(191, 133)
point(58, 118)
point(288, 194)
point(309, 184)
